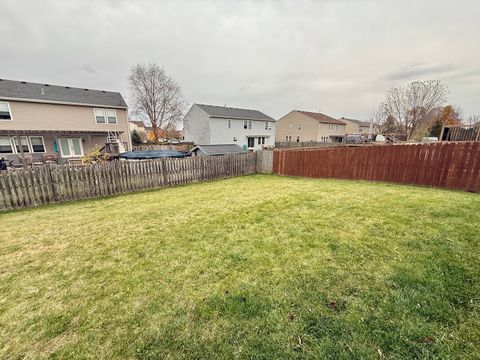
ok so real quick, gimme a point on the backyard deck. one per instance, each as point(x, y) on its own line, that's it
point(250, 267)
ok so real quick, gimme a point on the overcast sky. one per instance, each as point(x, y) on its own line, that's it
point(335, 56)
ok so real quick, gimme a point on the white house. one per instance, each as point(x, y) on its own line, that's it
point(213, 125)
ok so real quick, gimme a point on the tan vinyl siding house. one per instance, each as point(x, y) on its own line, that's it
point(357, 127)
point(59, 121)
point(309, 126)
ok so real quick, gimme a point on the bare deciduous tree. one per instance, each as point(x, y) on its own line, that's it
point(156, 97)
point(409, 105)
point(473, 119)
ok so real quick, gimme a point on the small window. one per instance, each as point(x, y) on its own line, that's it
point(259, 141)
point(24, 142)
point(5, 113)
point(286, 138)
point(298, 138)
point(299, 126)
point(249, 124)
point(245, 124)
point(6, 146)
point(359, 129)
point(111, 116)
point(38, 146)
point(234, 138)
point(100, 116)
point(266, 125)
point(229, 124)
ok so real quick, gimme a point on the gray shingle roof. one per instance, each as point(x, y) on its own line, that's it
point(358, 122)
point(64, 94)
point(219, 149)
point(234, 113)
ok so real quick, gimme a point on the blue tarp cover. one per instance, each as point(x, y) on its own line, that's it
point(152, 154)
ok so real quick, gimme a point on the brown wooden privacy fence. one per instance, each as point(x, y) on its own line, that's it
point(58, 183)
point(448, 165)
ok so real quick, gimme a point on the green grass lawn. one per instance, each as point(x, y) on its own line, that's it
point(258, 267)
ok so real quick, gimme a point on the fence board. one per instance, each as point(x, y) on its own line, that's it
point(20, 188)
point(448, 165)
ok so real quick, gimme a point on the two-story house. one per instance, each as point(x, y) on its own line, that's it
point(358, 127)
point(43, 121)
point(216, 125)
point(309, 126)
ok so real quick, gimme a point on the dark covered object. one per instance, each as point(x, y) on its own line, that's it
point(152, 154)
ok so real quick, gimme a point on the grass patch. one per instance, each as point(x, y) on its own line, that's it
point(259, 267)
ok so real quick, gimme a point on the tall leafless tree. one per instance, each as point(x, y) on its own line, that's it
point(473, 119)
point(409, 105)
point(156, 97)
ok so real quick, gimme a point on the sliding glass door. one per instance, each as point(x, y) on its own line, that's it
point(71, 147)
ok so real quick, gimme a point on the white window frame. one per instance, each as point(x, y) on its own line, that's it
point(104, 115)
point(115, 115)
point(14, 141)
point(43, 143)
point(9, 111)
point(71, 155)
point(12, 147)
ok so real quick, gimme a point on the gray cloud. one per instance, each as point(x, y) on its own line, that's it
point(273, 55)
point(420, 71)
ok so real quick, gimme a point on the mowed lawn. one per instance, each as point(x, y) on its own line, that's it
point(255, 267)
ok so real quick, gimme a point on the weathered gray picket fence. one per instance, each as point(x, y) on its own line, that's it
point(48, 184)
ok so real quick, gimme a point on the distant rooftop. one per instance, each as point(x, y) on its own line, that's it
point(358, 122)
point(321, 117)
point(27, 91)
point(233, 113)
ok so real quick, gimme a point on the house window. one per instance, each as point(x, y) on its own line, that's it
point(100, 116)
point(266, 125)
point(249, 124)
point(359, 129)
point(298, 138)
point(6, 146)
point(234, 138)
point(286, 138)
point(38, 146)
point(245, 124)
point(299, 126)
point(71, 147)
point(24, 142)
point(251, 142)
point(5, 113)
point(111, 116)
point(229, 123)
point(261, 140)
